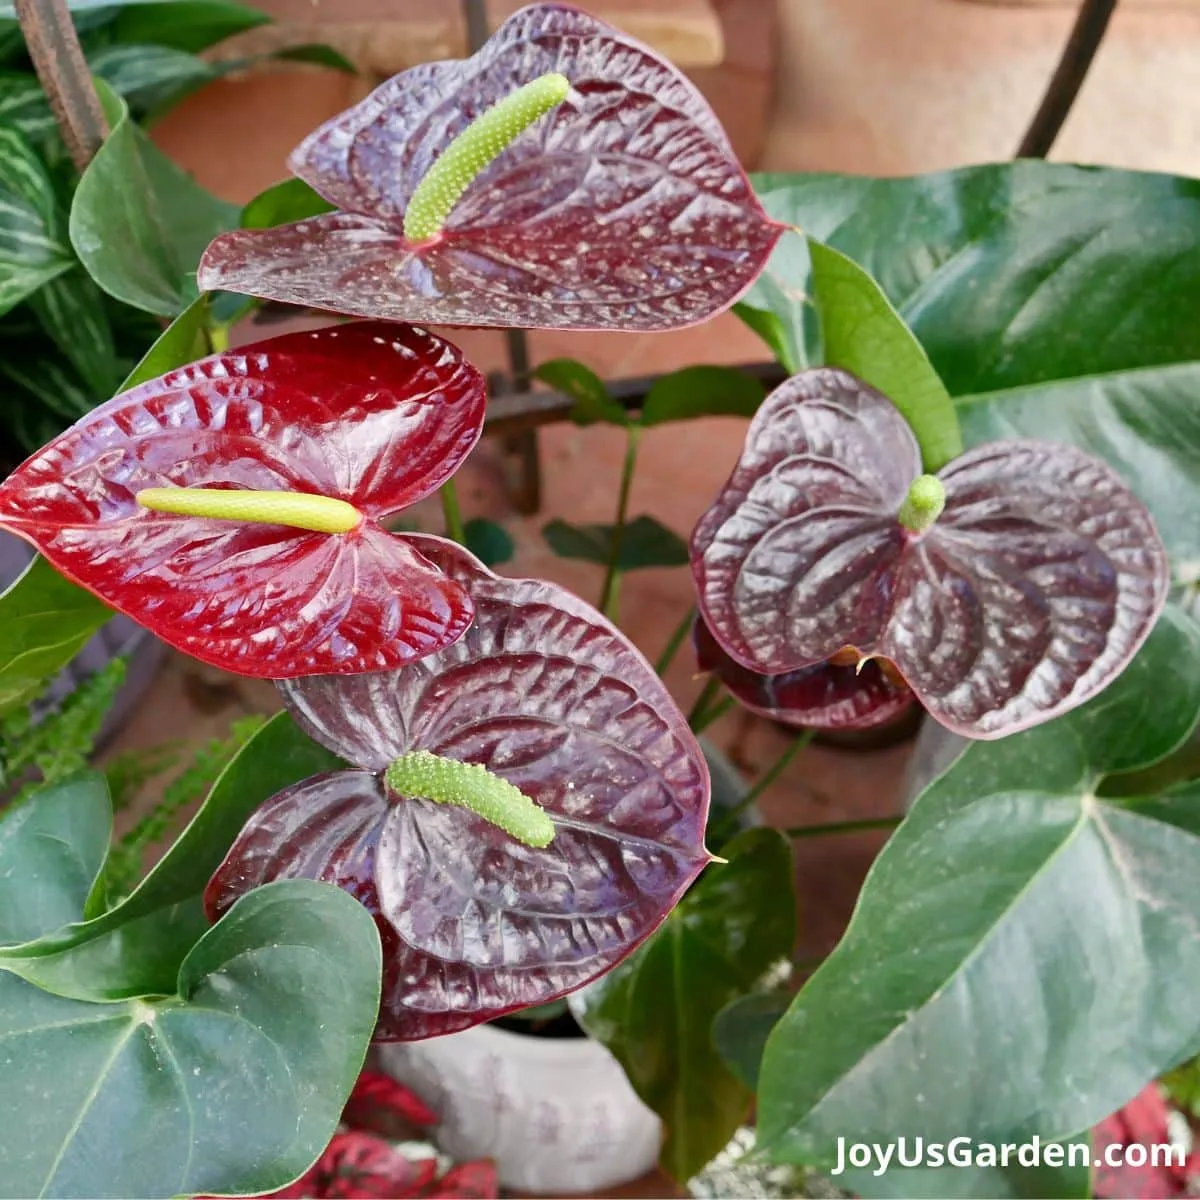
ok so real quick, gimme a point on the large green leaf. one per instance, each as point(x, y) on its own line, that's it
point(33, 245)
point(149, 77)
point(645, 542)
point(1023, 958)
point(1145, 424)
point(52, 848)
point(182, 342)
point(282, 203)
point(863, 333)
point(23, 104)
point(233, 1084)
point(138, 223)
point(133, 947)
point(656, 1010)
point(1016, 273)
point(44, 622)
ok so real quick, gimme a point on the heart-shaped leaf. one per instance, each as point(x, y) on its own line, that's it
point(1029, 594)
point(51, 850)
point(825, 696)
point(135, 948)
point(375, 415)
point(548, 695)
point(656, 1010)
point(138, 222)
point(702, 391)
point(232, 1084)
point(192, 25)
point(624, 207)
point(593, 401)
point(291, 200)
point(1024, 909)
point(44, 622)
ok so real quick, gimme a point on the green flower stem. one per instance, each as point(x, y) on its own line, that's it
point(420, 775)
point(611, 592)
point(923, 504)
point(834, 827)
point(714, 712)
point(478, 145)
point(676, 640)
point(711, 690)
point(452, 513)
point(768, 777)
point(298, 510)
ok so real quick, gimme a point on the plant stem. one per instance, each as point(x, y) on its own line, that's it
point(712, 713)
point(706, 697)
point(63, 73)
point(768, 777)
point(452, 513)
point(675, 641)
point(807, 831)
point(610, 594)
point(218, 337)
point(1068, 77)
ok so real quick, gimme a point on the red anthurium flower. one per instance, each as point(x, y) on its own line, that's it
point(358, 421)
point(547, 695)
point(825, 696)
point(608, 197)
point(1006, 591)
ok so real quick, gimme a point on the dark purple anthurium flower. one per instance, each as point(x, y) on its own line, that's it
point(826, 696)
point(547, 695)
point(1026, 594)
point(233, 506)
point(600, 192)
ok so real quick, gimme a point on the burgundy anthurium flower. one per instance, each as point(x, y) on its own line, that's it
point(606, 196)
point(543, 692)
point(1023, 596)
point(307, 432)
point(826, 696)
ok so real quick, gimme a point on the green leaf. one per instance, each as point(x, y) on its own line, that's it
point(234, 1084)
point(33, 249)
point(23, 104)
point(864, 334)
point(182, 342)
point(1015, 913)
point(1145, 424)
point(71, 309)
point(138, 223)
point(655, 1010)
point(740, 1032)
point(77, 6)
point(701, 392)
point(779, 306)
point(52, 384)
point(52, 849)
point(44, 622)
point(283, 203)
point(1018, 273)
point(492, 544)
point(317, 55)
point(107, 958)
point(593, 401)
point(644, 543)
point(149, 77)
point(191, 25)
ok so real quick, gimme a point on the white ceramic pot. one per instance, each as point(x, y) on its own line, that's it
point(556, 1114)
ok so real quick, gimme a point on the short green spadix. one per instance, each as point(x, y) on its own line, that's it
point(923, 505)
point(421, 775)
point(481, 142)
point(298, 510)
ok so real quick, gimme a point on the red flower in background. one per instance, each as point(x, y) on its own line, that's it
point(1142, 1122)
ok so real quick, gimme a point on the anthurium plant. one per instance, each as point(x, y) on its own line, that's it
point(974, 495)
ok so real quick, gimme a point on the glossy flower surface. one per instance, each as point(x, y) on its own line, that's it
point(623, 208)
point(1029, 593)
point(374, 415)
point(826, 696)
point(545, 693)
